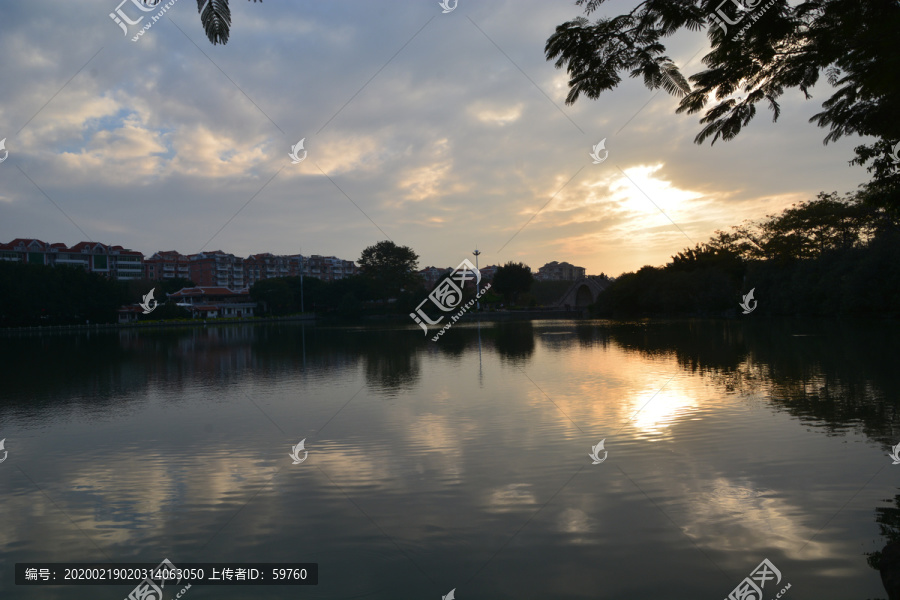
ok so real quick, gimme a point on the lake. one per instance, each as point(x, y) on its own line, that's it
point(461, 464)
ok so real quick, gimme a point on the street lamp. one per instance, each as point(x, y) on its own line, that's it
point(477, 253)
point(301, 282)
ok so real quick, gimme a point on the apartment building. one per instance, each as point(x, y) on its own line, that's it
point(167, 264)
point(559, 271)
point(431, 275)
point(328, 268)
point(114, 262)
point(265, 266)
point(217, 269)
point(487, 273)
point(210, 269)
point(258, 267)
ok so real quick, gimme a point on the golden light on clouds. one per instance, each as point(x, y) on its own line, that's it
point(432, 180)
point(496, 114)
point(423, 183)
point(340, 154)
point(131, 146)
point(201, 152)
point(645, 193)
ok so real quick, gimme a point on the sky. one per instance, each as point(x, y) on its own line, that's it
point(444, 132)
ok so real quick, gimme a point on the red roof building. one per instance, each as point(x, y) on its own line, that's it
point(258, 267)
point(167, 264)
point(210, 302)
point(328, 268)
point(217, 268)
point(115, 262)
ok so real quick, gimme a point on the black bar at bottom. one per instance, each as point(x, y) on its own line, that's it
point(162, 575)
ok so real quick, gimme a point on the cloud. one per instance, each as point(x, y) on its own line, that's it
point(444, 129)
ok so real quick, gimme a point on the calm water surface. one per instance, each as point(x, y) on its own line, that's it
point(459, 464)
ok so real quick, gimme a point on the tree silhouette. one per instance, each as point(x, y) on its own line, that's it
point(828, 256)
point(758, 50)
point(389, 268)
point(216, 18)
point(512, 279)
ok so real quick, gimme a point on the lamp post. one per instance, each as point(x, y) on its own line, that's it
point(301, 286)
point(477, 253)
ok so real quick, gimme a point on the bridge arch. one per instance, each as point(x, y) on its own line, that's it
point(583, 292)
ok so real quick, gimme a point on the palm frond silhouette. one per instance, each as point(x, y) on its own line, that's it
point(216, 19)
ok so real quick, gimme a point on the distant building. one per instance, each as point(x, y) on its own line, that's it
point(431, 275)
point(258, 267)
point(489, 272)
point(125, 264)
point(114, 262)
point(559, 271)
point(217, 269)
point(214, 302)
point(328, 268)
point(211, 269)
point(129, 313)
point(167, 264)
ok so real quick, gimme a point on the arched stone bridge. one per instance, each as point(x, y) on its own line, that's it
point(583, 292)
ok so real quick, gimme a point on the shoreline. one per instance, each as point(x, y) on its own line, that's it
point(529, 315)
point(487, 316)
point(152, 324)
